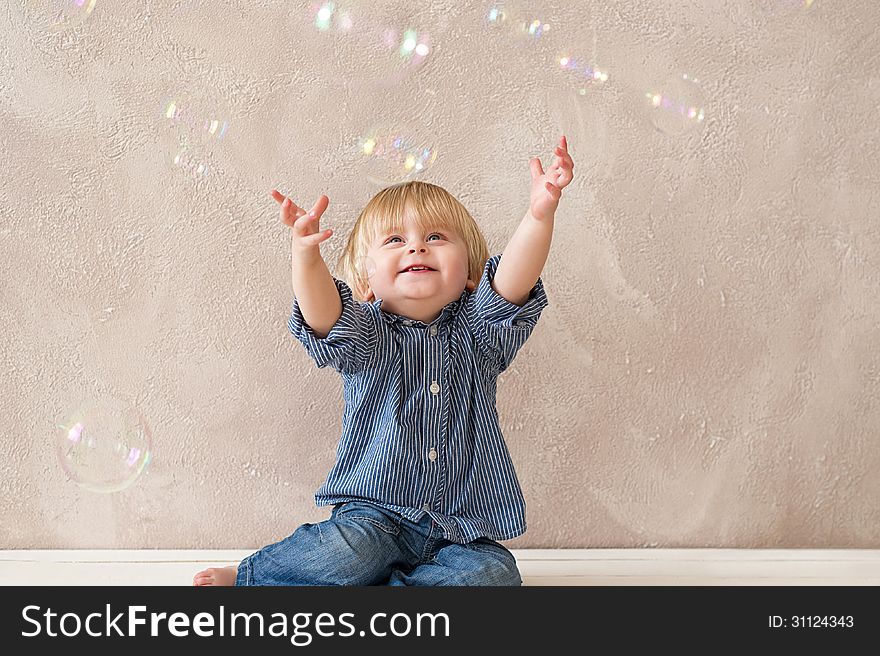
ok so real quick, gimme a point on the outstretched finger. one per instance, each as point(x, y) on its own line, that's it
point(280, 198)
point(535, 165)
point(554, 191)
point(288, 216)
point(563, 158)
point(317, 238)
point(289, 210)
point(320, 206)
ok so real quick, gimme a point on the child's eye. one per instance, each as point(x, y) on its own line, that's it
point(433, 234)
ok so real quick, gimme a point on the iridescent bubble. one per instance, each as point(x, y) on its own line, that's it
point(104, 446)
point(360, 44)
point(678, 106)
point(193, 124)
point(191, 162)
point(579, 73)
point(783, 6)
point(58, 15)
point(520, 19)
point(393, 155)
point(196, 117)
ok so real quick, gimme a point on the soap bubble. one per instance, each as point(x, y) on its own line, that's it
point(195, 164)
point(677, 106)
point(517, 19)
point(104, 445)
point(393, 155)
point(58, 15)
point(360, 44)
point(193, 125)
point(194, 114)
point(579, 72)
point(783, 6)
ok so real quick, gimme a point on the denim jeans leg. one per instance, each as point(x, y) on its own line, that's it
point(482, 562)
point(417, 539)
point(356, 546)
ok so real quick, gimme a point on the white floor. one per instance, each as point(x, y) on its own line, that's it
point(537, 566)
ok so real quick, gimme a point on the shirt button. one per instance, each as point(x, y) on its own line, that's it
point(433, 330)
point(432, 456)
point(407, 322)
point(434, 387)
point(427, 506)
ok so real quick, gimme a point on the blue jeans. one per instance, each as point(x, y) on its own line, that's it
point(364, 544)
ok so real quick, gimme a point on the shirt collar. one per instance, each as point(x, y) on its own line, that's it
point(449, 310)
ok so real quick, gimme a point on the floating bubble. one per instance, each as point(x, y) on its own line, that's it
point(189, 161)
point(58, 15)
point(518, 19)
point(192, 127)
point(393, 155)
point(678, 106)
point(783, 6)
point(360, 44)
point(195, 118)
point(104, 446)
point(579, 73)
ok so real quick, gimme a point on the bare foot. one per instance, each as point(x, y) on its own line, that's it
point(216, 576)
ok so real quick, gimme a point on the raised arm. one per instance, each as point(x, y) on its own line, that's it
point(313, 285)
point(316, 292)
point(523, 259)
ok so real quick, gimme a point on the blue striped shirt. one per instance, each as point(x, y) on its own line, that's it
point(420, 430)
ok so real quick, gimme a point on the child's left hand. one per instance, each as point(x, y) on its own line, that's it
point(547, 186)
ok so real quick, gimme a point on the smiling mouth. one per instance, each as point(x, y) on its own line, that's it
point(427, 270)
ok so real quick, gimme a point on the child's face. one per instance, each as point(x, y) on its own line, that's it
point(418, 295)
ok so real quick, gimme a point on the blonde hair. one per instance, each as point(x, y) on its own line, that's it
point(430, 206)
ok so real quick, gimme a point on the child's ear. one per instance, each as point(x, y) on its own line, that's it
point(470, 285)
point(365, 293)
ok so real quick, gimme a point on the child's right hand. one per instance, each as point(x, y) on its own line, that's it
point(306, 235)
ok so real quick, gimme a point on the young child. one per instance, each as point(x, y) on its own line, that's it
point(423, 486)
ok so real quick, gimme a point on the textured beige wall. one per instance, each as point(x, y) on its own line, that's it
point(707, 371)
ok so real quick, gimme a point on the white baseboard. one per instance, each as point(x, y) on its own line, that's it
point(537, 566)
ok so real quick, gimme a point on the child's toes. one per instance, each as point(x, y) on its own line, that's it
point(205, 577)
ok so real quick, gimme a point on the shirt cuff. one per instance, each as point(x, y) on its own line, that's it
point(496, 310)
point(339, 348)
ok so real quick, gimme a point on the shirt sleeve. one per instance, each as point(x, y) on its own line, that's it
point(348, 345)
point(500, 327)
